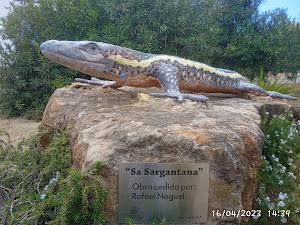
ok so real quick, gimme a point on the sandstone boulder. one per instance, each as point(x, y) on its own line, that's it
point(126, 126)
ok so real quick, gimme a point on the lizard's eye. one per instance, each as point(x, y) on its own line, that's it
point(90, 48)
point(93, 47)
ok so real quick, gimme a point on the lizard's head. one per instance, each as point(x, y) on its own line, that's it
point(85, 56)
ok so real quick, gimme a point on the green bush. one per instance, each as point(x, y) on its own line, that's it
point(278, 184)
point(37, 185)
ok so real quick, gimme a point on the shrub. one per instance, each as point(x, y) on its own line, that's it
point(37, 185)
point(277, 193)
point(274, 85)
point(27, 78)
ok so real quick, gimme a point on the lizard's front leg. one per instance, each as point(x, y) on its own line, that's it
point(168, 77)
point(95, 81)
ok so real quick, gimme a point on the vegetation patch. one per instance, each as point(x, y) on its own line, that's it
point(296, 89)
point(278, 187)
point(38, 185)
point(277, 85)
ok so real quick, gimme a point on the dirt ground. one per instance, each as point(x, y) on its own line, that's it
point(18, 128)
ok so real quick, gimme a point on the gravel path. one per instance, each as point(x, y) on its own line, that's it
point(18, 128)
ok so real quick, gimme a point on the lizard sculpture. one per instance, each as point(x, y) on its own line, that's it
point(126, 67)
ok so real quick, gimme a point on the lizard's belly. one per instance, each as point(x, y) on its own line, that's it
point(138, 81)
point(207, 88)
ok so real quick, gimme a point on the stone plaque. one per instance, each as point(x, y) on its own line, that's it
point(176, 192)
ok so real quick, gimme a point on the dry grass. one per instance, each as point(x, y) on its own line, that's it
point(296, 91)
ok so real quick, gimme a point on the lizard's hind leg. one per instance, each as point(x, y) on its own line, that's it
point(168, 77)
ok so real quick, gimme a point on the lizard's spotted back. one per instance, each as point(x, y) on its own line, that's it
point(138, 69)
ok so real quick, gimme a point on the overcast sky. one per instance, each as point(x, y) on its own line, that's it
point(3, 3)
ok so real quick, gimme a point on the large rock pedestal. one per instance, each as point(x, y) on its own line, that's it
point(123, 126)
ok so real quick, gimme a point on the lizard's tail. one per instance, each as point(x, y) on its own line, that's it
point(275, 94)
point(243, 86)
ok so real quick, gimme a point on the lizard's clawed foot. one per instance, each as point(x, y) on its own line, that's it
point(180, 96)
point(95, 81)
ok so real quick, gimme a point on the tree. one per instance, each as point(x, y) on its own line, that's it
point(254, 42)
